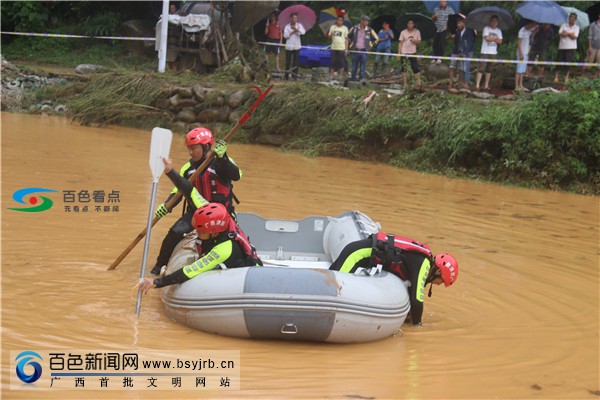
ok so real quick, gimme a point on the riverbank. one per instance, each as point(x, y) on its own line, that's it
point(549, 140)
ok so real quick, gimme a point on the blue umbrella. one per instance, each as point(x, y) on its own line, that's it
point(432, 4)
point(479, 18)
point(544, 12)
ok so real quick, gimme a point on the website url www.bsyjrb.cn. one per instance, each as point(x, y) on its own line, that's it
point(125, 370)
point(194, 365)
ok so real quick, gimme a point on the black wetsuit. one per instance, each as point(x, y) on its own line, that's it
point(415, 268)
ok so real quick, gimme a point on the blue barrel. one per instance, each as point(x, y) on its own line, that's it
point(315, 56)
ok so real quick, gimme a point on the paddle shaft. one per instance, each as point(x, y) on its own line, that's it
point(178, 195)
point(138, 304)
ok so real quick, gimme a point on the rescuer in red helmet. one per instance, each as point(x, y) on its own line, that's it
point(408, 259)
point(214, 184)
point(222, 240)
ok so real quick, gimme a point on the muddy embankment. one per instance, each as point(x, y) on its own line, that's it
point(548, 140)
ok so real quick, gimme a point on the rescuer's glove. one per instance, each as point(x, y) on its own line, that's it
point(220, 148)
point(161, 211)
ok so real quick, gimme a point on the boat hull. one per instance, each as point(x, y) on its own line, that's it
point(288, 299)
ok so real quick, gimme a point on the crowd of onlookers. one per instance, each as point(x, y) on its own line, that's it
point(532, 44)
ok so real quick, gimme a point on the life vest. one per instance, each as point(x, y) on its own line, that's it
point(236, 234)
point(213, 189)
point(388, 248)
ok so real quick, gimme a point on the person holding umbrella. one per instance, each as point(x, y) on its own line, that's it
point(339, 46)
point(464, 44)
point(440, 17)
point(523, 46)
point(409, 40)
point(383, 46)
point(293, 43)
point(492, 37)
point(541, 39)
point(361, 37)
point(567, 45)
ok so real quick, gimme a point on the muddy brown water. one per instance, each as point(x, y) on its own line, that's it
point(522, 321)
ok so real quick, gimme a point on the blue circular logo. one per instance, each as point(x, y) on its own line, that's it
point(26, 358)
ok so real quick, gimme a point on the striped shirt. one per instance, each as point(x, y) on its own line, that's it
point(441, 23)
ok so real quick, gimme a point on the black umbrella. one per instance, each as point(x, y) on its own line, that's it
point(377, 24)
point(422, 22)
point(479, 18)
point(593, 12)
point(452, 19)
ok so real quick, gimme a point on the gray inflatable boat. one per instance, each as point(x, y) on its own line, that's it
point(294, 296)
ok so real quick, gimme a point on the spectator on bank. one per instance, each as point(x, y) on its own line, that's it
point(274, 36)
point(567, 45)
point(171, 41)
point(384, 45)
point(594, 45)
point(492, 37)
point(339, 46)
point(409, 40)
point(523, 40)
point(540, 42)
point(293, 43)
point(361, 37)
point(440, 17)
point(464, 44)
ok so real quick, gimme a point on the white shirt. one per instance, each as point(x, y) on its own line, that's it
point(490, 47)
point(566, 43)
point(293, 41)
point(525, 36)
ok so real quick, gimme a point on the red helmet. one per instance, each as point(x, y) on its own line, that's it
point(449, 267)
point(211, 218)
point(199, 136)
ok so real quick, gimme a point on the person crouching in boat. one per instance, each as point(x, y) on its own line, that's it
point(408, 259)
point(223, 241)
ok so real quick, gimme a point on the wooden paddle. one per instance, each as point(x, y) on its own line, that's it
point(209, 156)
point(159, 149)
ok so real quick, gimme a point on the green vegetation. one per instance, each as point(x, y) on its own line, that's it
point(550, 141)
point(72, 52)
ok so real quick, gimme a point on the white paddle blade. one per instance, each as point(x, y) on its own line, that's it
point(159, 147)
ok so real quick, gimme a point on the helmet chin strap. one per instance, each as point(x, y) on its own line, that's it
point(432, 276)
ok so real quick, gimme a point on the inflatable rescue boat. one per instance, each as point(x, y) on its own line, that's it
point(294, 295)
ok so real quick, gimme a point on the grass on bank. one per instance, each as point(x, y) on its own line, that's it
point(550, 141)
point(72, 52)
